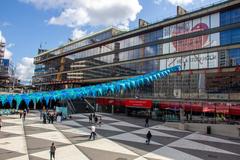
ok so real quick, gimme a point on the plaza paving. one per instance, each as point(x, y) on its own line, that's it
point(119, 138)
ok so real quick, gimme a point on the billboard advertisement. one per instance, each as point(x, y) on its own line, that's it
point(188, 27)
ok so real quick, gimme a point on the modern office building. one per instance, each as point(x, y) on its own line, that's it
point(7, 79)
point(205, 42)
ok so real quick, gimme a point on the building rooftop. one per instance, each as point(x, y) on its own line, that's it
point(118, 31)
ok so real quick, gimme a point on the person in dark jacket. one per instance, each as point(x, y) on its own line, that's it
point(96, 119)
point(52, 118)
point(148, 136)
point(90, 118)
point(24, 114)
point(44, 118)
point(146, 122)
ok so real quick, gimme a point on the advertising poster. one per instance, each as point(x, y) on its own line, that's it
point(196, 25)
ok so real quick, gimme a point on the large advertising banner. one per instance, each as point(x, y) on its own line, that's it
point(188, 27)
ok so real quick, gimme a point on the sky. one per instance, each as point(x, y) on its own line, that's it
point(25, 25)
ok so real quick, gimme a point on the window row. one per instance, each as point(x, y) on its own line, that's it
point(230, 17)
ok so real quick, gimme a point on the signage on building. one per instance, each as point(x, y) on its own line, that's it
point(206, 60)
point(127, 103)
point(138, 103)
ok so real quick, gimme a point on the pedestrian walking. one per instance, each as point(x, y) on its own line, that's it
point(93, 133)
point(20, 113)
point(90, 118)
point(148, 136)
point(1, 123)
point(41, 115)
point(24, 114)
point(100, 121)
point(147, 122)
point(44, 118)
point(52, 118)
point(52, 151)
point(48, 117)
point(96, 119)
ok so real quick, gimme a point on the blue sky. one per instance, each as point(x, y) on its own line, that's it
point(25, 24)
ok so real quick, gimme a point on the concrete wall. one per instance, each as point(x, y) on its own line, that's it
point(217, 129)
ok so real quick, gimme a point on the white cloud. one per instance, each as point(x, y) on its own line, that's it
point(180, 2)
point(158, 2)
point(78, 33)
point(77, 13)
point(25, 69)
point(47, 4)
point(175, 2)
point(5, 24)
point(2, 39)
point(10, 45)
point(8, 54)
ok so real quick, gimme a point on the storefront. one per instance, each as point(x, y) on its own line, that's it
point(168, 111)
point(130, 106)
point(140, 108)
point(204, 112)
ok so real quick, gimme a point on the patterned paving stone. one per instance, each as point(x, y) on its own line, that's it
point(119, 138)
point(209, 155)
point(105, 155)
point(234, 148)
point(36, 145)
point(35, 158)
point(7, 154)
point(7, 134)
point(76, 138)
point(34, 130)
point(139, 148)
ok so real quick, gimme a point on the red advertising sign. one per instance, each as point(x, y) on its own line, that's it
point(218, 108)
point(105, 101)
point(208, 107)
point(234, 110)
point(169, 105)
point(222, 108)
point(194, 107)
point(126, 103)
point(138, 103)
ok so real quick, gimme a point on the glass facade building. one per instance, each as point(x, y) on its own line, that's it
point(206, 43)
point(6, 70)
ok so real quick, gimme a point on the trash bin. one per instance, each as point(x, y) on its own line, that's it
point(208, 129)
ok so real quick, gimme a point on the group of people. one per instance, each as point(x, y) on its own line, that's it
point(95, 119)
point(48, 117)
